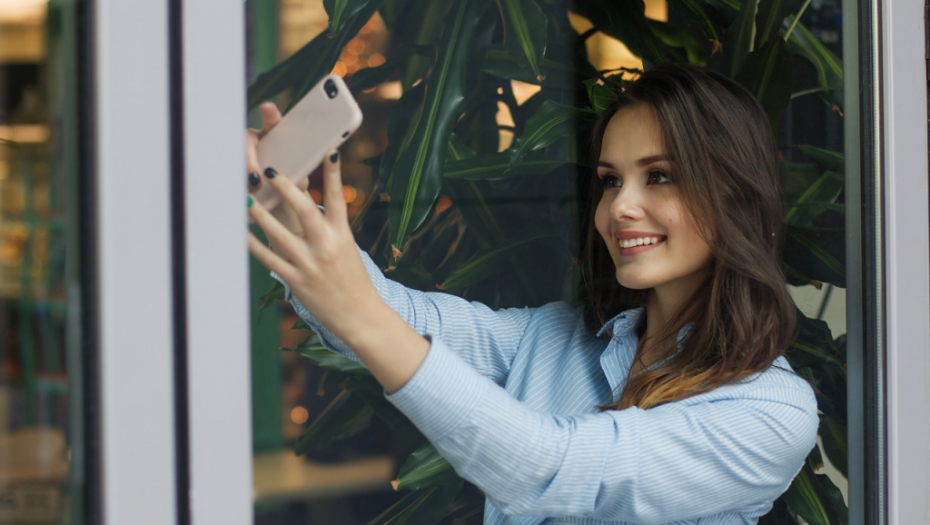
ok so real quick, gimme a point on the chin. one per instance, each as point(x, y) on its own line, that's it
point(634, 282)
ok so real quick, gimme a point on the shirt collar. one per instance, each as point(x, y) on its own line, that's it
point(624, 323)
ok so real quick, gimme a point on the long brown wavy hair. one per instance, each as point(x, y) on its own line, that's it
point(726, 172)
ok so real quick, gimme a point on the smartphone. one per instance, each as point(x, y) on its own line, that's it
point(321, 121)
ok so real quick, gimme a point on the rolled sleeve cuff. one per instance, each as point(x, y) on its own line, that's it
point(443, 392)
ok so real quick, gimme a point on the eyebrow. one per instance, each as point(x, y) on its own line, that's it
point(645, 161)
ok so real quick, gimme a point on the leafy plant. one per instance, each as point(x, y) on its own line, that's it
point(506, 238)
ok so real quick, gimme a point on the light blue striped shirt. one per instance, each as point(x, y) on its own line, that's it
point(509, 398)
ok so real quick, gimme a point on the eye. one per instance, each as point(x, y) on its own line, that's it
point(658, 177)
point(609, 181)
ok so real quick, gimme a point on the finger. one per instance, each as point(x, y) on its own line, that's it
point(290, 246)
point(251, 161)
point(270, 259)
point(310, 217)
point(270, 115)
point(334, 198)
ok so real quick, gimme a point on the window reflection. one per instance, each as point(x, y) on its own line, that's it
point(301, 391)
point(37, 361)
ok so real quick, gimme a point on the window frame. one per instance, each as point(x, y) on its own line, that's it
point(888, 257)
point(133, 296)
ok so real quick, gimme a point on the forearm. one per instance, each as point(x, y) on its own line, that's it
point(484, 338)
point(390, 349)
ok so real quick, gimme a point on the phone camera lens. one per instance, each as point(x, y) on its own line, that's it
point(330, 87)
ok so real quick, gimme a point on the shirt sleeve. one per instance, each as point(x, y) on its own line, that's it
point(673, 462)
point(486, 339)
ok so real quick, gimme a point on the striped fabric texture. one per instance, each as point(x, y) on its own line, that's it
point(510, 398)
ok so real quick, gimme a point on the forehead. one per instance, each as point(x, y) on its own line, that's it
point(632, 133)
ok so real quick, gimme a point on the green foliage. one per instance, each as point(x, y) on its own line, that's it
point(527, 24)
point(423, 507)
point(416, 175)
point(506, 240)
point(738, 39)
point(425, 468)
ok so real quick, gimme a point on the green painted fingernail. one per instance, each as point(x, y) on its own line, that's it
point(250, 201)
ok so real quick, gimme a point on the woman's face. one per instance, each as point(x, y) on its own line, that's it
point(651, 236)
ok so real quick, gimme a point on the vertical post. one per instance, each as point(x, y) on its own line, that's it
point(133, 247)
point(216, 261)
point(856, 116)
point(907, 255)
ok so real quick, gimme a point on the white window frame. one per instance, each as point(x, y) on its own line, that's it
point(134, 299)
point(175, 448)
point(888, 254)
point(907, 260)
point(217, 263)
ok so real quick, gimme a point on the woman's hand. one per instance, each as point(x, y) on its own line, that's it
point(323, 267)
point(326, 274)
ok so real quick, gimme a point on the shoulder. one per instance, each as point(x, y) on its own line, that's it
point(557, 311)
point(778, 385)
point(559, 316)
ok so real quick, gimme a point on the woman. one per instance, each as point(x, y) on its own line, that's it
point(665, 397)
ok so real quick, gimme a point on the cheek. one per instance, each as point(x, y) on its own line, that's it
point(675, 217)
point(602, 218)
point(688, 233)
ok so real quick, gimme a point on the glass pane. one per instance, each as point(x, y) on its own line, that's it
point(348, 481)
point(42, 476)
point(500, 225)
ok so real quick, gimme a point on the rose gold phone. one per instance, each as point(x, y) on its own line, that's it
point(322, 120)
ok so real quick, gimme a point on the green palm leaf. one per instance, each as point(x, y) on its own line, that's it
point(770, 17)
point(340, 11)
point(488, 262)
point(695, 10)
point(416, 176)
point(739, 38)
point(323, 357)
point(767, 74)
point(425, 468)
point(346, 416)
point(817, 253)
point(551, 122)
point(527, 23)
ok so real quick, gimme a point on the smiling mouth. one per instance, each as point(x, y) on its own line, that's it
point(640, 241)
point(639, 244)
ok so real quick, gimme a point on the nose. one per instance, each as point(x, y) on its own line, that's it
point(627, 204)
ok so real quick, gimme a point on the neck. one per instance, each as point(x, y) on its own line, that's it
point(663, 305)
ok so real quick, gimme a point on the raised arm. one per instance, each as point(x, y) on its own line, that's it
point(485, 339)
point(734, 450)
point(336, 288)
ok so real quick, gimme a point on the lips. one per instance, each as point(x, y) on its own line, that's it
point(639, 241)
point(633, 242)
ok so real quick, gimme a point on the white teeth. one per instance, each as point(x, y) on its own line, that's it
point(640, 241)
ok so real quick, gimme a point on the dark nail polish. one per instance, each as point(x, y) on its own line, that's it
point(250, 201)
point(334, 157)
point(254, 179)
point(270, 173)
